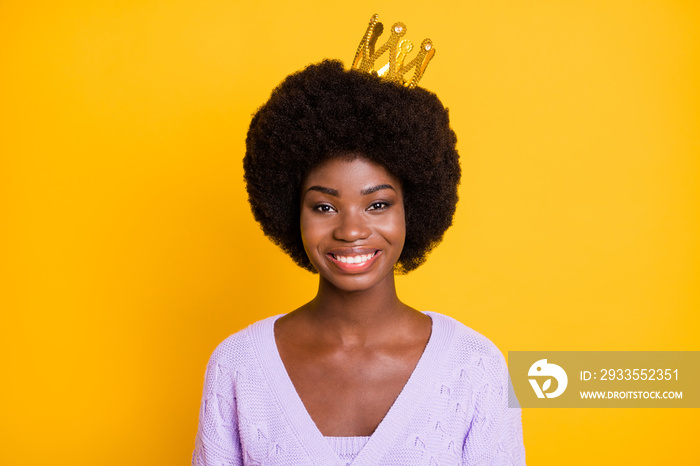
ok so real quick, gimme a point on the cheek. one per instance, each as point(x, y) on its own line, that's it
point(306, 230)
point(402, 228)
point(402, 232)
point(395, 228)
point(311, 232)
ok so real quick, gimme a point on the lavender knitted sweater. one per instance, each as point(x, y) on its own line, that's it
point(453, 410)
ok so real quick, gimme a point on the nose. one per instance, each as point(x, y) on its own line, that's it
point(352, 226)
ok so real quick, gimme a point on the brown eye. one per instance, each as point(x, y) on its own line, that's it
point(324, 208)
point(379, 206)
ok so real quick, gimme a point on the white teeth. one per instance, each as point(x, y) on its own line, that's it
point(354, 259)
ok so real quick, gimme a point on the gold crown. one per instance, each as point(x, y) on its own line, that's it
point(398, 49)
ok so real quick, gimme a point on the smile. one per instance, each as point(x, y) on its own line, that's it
point(354, 263)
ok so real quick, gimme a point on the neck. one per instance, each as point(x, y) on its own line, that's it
point(358, 316)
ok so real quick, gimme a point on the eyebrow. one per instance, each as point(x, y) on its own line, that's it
point(364, 192)
point(374, 189)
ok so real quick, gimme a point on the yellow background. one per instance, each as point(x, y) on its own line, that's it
point(127, 250)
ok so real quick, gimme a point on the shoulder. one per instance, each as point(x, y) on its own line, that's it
point(464, 337)
point(238, 349)
point(469, 350)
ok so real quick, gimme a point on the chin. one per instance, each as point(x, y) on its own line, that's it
point(358, 282)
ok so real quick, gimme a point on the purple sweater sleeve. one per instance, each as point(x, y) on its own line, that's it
point(218, 440)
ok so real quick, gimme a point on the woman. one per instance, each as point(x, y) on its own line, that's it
point(356, 179)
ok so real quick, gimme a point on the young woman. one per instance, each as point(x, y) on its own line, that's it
point(356, 179)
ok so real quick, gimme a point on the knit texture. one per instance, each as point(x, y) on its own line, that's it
point(347, 448)
point(452, 411)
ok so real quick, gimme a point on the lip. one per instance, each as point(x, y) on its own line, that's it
point(353, 268)
point(356, 251)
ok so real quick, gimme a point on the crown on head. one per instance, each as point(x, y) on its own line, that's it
point(398, 49)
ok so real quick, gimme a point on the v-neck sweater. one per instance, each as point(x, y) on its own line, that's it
point(452, 410)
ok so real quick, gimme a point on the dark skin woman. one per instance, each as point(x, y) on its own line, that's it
point(350, 351)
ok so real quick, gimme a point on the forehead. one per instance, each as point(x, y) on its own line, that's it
point(349, 174)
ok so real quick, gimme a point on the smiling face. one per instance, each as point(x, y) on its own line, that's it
point(352, 222)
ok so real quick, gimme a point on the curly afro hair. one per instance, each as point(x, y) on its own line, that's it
point(325, 111)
